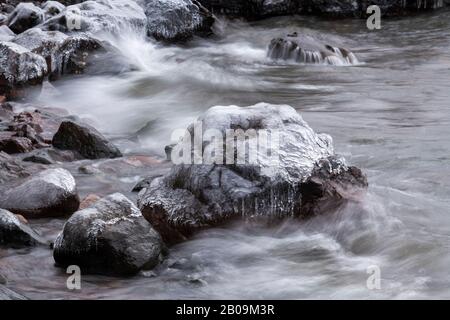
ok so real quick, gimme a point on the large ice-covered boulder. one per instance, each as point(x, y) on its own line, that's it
point(177, 19)
point(19, 68)
point(275, 167)
point(99, 16)
point(110, 237)
point(306, 49)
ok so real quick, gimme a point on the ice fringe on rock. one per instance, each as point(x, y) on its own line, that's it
point(306, 49)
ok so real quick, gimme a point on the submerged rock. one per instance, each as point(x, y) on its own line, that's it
point(306, 49)
point(50, 193)
point(298, 176)
point(177, 20)
point(11, 169)
point(8, 294)
point(19, 68)
point(63, 54)
point(110, 237)
point(14, 233)
point(25, 16)
point(85, 140)
point(99, 16)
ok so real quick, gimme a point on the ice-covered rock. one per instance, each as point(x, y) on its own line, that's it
point(49, 193)
point(306, 49)
point(278, 167)
point(25, 16)
point(14, 233)
point(19, 68)
point(52, 8)
point(85, 140)
point(100, 16)
point(64, 54)
point(6, 33)
point(177, 19)
point(110, 237)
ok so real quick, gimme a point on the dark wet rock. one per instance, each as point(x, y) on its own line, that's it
point(85, 140)
point(63, 54)
point(306, 49)
point(111, 237)
point(8, 294)
point(52, 8)
point(49, 193)
point(299, 177)
point(14, 233)
point(177, 20)
point(19, 68)
point(25, 16)
point(12, 144)
point(97, 16)
point(22, 133)
point(11, 169)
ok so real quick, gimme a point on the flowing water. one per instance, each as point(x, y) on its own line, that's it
point(389, 115)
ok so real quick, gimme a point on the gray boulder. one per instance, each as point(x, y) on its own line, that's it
point(25, 16)
point(177, 20)
point(50, 193)
point(85, 140)
point(306, 49)
point(110, 237)
point(19, 69)
point(14, 233)
point(298, 176)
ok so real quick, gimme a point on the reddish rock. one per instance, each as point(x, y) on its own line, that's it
point(89, 200)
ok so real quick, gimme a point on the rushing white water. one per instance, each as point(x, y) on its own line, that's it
point(389, 116)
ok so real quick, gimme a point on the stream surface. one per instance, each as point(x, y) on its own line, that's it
point(388, 115)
